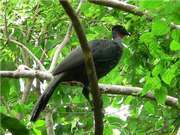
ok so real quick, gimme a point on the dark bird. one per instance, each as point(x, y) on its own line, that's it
point(106, 54)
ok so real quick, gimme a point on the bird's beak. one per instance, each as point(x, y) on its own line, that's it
point(128, 34)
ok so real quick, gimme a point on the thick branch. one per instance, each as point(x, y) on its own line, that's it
point(119, 5)
point(134, 91)
point(26, 74)
point(127, 8)
point(105, 88)
point(60, 46)
point(90, 68)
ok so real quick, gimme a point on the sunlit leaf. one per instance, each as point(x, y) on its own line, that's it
point(39, 123)
point(160, 27)
point(150, 4)
point(176, 35)
point(128, 100)
point(160, 95)
point(37, 131)
point(157, 70)
point(110, 19)
point(147, 37)
point(149, 107)
point(175, 46)
point(108, 130)
point(169, 74)
point(151, 84)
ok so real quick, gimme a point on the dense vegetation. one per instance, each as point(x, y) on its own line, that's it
point(150, 61)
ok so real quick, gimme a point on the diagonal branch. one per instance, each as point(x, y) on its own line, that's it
point(105, 88)
point(119, 5)
point(29, 52)
point(90, 68)
point(60, 46)
point(127, 8)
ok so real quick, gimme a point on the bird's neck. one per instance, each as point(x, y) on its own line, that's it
point(117, 39)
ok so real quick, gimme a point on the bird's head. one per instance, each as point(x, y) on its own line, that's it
point(119, 32)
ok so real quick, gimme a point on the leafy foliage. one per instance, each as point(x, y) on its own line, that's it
point(151, 61)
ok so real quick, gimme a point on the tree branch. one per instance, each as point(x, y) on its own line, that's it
point(119, 5)
point(29, 52)
point(90, 68)
point(5, 22)
point(28, 84)
point(26, 74)
point(104, 88)
point(60, 46)
point(134, 91)
point(127, 8)
point(49, 122)
point(34, 18)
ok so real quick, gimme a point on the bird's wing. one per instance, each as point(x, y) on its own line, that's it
point(72, 60)
point(107, 51)
point(99, 48)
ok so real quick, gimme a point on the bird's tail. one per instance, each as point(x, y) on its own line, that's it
point(44, 98)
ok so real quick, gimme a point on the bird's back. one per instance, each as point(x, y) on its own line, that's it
point(106, 54)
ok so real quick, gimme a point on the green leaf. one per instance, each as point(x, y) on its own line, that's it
point(128, 100)
point(13, 125)
point(37, 131)
point(106, 100)
point(147, 37)
point(110, 19)
point(154, 49)
point(39, 123)
point(113, 119)
point(160, 27)
point(169, 74)
point(150, 4)
point(151, 84)
point(160, 95)
point(149, 107)
point(176, 35)
point(108, 130)
point(77, 99)
point(157, 70)
point(3, 109)
point(174, 46)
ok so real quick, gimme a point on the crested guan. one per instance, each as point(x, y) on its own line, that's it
point(106, 54)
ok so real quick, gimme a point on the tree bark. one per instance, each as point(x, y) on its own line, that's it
point(90, 68)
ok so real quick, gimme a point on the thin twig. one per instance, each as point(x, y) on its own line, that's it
point(29, 52)
point(60, 46)
point(5, 21)
point(30, 30)
point(24, 98)
point(49, 122)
